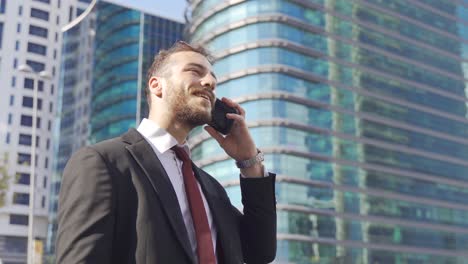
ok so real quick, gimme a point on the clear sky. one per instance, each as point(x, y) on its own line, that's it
point(173, 9)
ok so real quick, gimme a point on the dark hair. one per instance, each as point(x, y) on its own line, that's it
point(161, 59)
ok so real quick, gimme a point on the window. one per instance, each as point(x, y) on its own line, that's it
point(43, 1)
point(2, 6)
point(28, 101)
point(43, 201)
point(52, 89)
point(18, 219)
point(15, 63)
point(17, 45)
point(24, 159)
point(20, 10)
point(18, 28)
point(79, 11)
point(37, 48)
point(25, 140)
point(7, 140)
point(36, 66)
point(38, 122)
point(41, 86)
point(70, 14)
point(10, 118)
point(23, 178)
point(28, 83)
point(15, 244)
point(21, 198)
point(49, 125)
point(1, 34)
point(51, 107)
point(37, 141)
point(38, 31)
point(46, 163)
point(55, 53)
point(40, 14)
point(44, 182)
point(48, 144)
point(26, 120)
point(12, 100)
point(13, 81)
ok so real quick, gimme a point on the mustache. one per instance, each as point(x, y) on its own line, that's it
point(209, 93)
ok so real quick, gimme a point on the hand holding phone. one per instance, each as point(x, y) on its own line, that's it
point(219, 121)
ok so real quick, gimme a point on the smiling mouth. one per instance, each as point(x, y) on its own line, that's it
point(204, 96)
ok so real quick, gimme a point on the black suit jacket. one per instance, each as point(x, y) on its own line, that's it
point(117, 205)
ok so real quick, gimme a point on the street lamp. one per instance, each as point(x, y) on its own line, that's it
point(32, 183)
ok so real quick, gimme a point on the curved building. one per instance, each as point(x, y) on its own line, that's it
point(361, 109)
point(125, 44)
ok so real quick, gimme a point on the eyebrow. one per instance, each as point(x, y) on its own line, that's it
point(201, 67)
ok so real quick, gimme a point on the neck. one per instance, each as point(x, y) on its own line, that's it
point(168, 122)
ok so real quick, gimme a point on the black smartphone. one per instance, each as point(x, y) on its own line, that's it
point(219, 121)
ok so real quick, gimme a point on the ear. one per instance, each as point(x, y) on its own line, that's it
point(155, 85)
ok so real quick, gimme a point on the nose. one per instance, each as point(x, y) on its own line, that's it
point(209, 81)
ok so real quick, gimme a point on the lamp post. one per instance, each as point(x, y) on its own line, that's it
point(32, 183)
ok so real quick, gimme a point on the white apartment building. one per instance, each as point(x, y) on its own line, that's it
point(30, 40)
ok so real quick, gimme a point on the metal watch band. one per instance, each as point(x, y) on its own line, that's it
point(250, 162)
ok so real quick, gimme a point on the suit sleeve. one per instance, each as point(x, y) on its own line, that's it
point(258, 223)
point(85, 214)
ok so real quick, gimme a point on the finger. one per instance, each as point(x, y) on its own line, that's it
point(235, 117)
point(215, 134)
point(231, 103)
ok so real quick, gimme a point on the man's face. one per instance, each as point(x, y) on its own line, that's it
point(190, 88)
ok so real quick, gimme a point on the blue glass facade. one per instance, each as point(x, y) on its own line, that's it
point(361, 109)
point(126, 42)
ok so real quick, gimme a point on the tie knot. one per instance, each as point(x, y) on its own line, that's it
point(181, 154)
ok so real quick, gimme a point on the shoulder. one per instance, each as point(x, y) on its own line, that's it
point(113, 148)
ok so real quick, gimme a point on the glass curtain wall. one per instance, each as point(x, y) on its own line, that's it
point(361, 110)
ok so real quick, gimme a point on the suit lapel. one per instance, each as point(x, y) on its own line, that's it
point(144, 155)
point(222, 217)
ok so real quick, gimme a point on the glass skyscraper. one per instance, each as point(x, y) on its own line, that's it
point(361, 109)
point(105, 54)
point(126, 42)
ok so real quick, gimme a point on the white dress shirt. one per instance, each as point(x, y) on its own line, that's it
point(162, 142)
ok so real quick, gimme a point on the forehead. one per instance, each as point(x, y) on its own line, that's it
point(183, 58)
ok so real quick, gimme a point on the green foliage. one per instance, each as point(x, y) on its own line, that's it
point(4, 179)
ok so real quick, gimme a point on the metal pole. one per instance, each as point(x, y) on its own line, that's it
point(32, 178)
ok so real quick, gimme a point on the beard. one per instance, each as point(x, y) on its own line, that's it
point(186, 111)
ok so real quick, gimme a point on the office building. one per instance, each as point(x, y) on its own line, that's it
point(361, 109)
point(29, 64)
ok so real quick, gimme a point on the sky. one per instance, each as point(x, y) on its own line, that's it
point(173, 9)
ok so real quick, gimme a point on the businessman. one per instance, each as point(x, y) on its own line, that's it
point(138, 198)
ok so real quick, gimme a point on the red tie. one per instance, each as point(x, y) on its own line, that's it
point(205, 249)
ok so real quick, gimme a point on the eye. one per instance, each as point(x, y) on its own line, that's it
point(194, 70)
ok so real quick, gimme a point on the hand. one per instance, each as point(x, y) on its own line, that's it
point(238, 144)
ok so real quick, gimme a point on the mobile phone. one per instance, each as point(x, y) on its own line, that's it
point(219, 121)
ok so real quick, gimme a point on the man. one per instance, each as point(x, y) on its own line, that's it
point(139, 199)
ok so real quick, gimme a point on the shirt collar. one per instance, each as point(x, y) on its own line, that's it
point(158, 137)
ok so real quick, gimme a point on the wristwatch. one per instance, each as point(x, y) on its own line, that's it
point(250, 162)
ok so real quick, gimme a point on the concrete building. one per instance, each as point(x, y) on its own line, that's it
point(29, 44)
point(361, 108)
